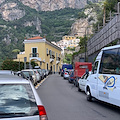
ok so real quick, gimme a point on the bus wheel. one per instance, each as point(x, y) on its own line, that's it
point(89, 97)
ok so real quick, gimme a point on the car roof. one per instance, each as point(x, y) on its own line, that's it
point(12, 79)
point(6, 72)
point(27, 70)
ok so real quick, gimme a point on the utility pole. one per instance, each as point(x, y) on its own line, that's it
point(104, 16)
point(85, 43)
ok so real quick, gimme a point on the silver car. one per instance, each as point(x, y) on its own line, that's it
point(66, 74)
point(38, 76)
point(41, 73)
point(30, 74)
point(19, 100)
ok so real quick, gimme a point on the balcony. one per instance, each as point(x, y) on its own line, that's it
point(51, 58)
point(34, 56)
point(57, 60)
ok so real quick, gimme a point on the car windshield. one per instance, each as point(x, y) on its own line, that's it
point(43, 70)
point(17, 100)
point(39, 71)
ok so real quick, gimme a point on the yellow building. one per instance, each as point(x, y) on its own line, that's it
point(43, 52)
point(68, 37)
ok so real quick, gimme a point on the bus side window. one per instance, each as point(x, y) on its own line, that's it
point(94, 70)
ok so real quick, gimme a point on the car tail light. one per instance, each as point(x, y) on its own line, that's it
point(66, 73)
point(42, 113)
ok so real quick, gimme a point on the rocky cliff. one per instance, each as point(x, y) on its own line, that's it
point(51, 5)
point(11, 11)
point(84, 26)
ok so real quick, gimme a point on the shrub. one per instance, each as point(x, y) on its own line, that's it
point(9, 64)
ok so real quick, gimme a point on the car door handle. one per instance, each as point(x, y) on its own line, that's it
point(95, 77)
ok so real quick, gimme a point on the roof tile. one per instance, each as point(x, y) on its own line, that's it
point(35, 38)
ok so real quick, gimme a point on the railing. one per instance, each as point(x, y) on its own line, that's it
point(34, 54)
point(58, 58)
point(52, 56)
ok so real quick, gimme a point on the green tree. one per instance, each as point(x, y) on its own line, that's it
point(68, 59)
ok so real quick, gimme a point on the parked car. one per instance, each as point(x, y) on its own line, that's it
point(80, 69)
point(44, 71)
point(66, 74)
point(29, 74)
point(41, 73)
point(47, 72)
point(71, 77)
point(82, 82)
point(66, 67)
point(6, 72)
point(19, 99)
point(37, 75)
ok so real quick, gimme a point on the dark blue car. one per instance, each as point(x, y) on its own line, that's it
point(66, 67)
point(71, 77)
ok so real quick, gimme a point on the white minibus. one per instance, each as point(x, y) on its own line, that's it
point(104, 81)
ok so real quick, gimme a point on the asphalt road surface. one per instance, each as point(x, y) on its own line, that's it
point(63, 102)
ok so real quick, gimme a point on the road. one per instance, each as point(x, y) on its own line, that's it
point(63, 102)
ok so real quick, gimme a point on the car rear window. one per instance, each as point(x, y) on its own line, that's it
point(67, 66)
point(17, 101)
point(31, 72)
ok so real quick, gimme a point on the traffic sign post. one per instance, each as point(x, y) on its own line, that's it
point(25, 60)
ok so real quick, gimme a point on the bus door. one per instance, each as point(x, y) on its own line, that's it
point(94, 79)
point(109, 77)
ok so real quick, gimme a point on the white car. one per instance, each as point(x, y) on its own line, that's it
point(19, 99)
point(82, 82)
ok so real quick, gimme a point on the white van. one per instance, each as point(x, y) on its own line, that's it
point(104, 82)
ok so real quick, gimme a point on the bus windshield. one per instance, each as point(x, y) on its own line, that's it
point(110, 62)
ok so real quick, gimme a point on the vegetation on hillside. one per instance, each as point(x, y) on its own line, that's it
point(106, 7)
point(58, 23)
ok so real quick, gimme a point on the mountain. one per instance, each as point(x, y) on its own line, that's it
point(20, 19)
point(51, 5)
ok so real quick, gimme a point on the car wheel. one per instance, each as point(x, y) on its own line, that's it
point(69, 80)
point(76, 84)
point(79, 90)
point(89, 97)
